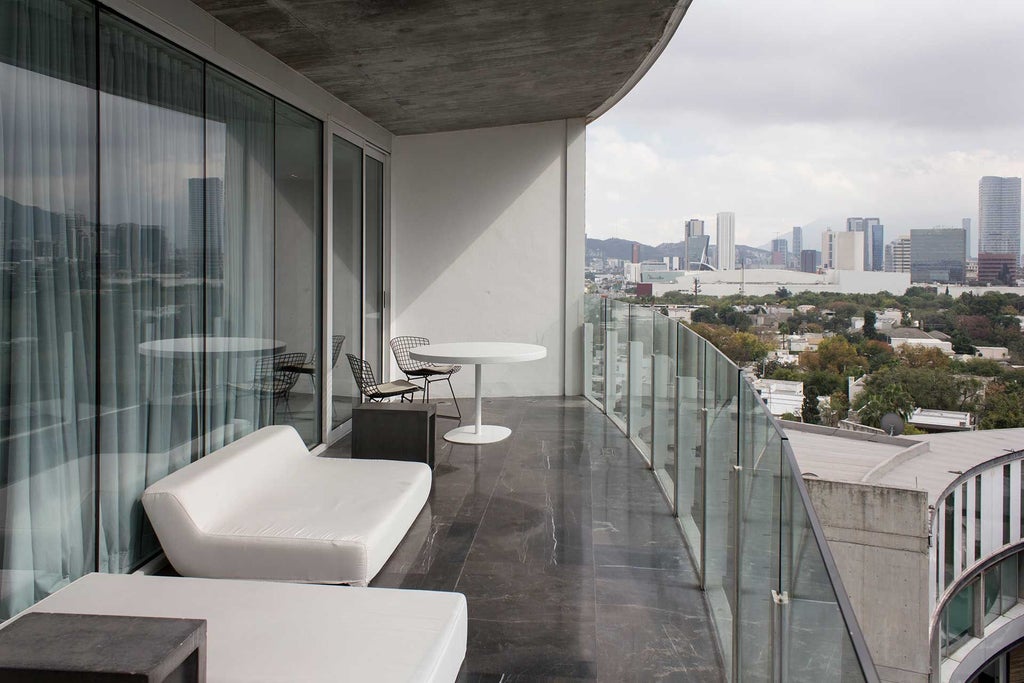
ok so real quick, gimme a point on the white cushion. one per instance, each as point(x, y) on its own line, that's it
point(269, 632)
point(264, 508)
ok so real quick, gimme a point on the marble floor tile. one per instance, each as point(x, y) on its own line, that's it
point(573, 566)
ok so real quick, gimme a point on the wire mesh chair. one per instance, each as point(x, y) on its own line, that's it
point(428, 372)
point(374, 392)
point(274, 378)
point(308, 365)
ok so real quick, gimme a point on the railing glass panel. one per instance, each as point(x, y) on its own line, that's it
point(760, 492)
point(742, 505)
point(593, 348)
point(720, 476)
point(617, 340)
point(641, 380)
point(663, 438)
point(690, 439)
point(811, 620)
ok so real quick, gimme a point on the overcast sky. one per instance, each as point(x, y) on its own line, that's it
point(804, 112)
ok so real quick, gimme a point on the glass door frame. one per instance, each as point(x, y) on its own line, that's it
point(331, 434)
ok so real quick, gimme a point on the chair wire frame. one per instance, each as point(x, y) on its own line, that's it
point(428, 372)
point(368, 386)
point(275, 376)
point(308, 365)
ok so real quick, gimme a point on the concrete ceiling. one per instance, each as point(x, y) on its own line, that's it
point(422, 66)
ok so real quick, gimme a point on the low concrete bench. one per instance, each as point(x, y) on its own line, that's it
point(262, 507)
point(282, 633)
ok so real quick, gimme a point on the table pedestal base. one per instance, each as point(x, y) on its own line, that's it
point(487, 434)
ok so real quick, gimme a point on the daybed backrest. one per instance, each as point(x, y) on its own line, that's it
point(201, 492)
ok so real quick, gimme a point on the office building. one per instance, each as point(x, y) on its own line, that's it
point(780, 252)
point(725, 225)
point(848, 251)
point(938, 255)
point(809, 260)
point(897, 255)
point(998, 229)
point(798, 240)
point(965, 223)
point(636, 252)
point(828, 248)
point(877, 246)
point(693, 229)
point(694, 226)
point(874, 240)
point(697, 252)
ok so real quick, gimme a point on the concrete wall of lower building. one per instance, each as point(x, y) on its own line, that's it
point(879, 538)
point(484, 223)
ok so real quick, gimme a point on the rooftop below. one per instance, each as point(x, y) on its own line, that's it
point(928, 462)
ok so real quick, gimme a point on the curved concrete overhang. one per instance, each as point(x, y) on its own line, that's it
point(425, 67)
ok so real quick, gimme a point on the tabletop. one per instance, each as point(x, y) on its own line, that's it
point(190, 346)
point(478, 353)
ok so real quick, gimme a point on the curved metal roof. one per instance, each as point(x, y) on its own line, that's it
point(436, 65)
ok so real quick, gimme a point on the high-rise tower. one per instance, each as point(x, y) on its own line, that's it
point(998, 229)
point(725, 223)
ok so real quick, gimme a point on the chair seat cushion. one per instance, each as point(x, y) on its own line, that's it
point(399, 386)
point(434, 370)
point(279, 632)
point(302, 368)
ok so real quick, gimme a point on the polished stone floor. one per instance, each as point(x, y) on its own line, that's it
point(565, 548)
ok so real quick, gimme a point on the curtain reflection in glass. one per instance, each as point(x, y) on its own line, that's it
point(347, 269)
point(297, 269)
point(151, 135)
point(48, 242)
point(239, 239)
point(373, 312)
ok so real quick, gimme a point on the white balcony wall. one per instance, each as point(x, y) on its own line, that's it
point(486, 246)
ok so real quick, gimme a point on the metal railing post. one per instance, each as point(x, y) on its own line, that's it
point(704, 497)
point(611, 343)
point(677, 445)
point(588, 359)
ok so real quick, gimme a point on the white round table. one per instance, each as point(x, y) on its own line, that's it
point(179, 347)
point(478, 354)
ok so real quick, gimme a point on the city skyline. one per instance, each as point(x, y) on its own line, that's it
point(750, 125)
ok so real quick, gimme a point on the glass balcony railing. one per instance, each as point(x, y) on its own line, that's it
point(776, 600)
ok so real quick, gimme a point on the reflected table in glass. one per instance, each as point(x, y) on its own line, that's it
point(216, 349)
point(181, 347)
point(478, 354)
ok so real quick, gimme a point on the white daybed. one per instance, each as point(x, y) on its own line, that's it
point(262, 507)
point(268, 632)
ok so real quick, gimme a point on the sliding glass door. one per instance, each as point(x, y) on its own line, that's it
point(151, 209)
point(161, 232)
point(357, 271)
point(48, 246)
point(373, 267)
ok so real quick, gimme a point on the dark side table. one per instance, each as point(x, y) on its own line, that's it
point(51, 647)
point(394, 431)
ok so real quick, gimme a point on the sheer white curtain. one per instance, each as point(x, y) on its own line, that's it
point(151, 137)
point(47, 242)
point(240, 287)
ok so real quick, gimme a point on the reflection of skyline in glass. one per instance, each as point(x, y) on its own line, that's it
point(126, 249)
point(206, 226)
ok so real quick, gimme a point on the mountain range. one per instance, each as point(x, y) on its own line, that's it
point(615, 247)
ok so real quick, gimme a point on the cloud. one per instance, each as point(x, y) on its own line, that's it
point(798, 111)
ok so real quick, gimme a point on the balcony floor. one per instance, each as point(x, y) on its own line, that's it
point(565, 548)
